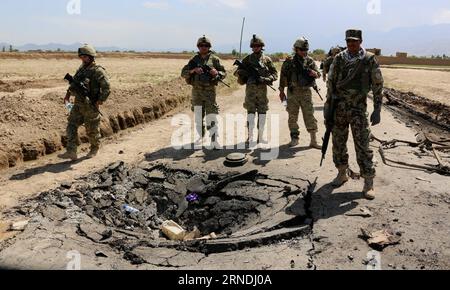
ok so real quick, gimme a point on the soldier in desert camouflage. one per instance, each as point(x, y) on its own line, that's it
point(298, 74)
point(203, 73)
point(84, 111)
point(257, 73)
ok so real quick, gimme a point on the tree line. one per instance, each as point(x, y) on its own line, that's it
point(9, 49)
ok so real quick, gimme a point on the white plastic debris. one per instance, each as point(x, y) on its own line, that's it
point(173, 230)
point(18, 226)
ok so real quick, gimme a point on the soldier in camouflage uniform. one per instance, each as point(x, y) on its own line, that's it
point(204, 84)
point(84, 110)
point(353, 74)
point(326, 64)
point(298, 74)
point(256, 100)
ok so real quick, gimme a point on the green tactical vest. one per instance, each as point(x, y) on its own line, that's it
point(203, 79)
point(296, 74)
point(88, 77)
point(362, 80)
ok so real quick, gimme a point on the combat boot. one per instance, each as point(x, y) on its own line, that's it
point(314, 143)
point(198, 141)
point(92, 153)
point(261, 127)
point(250, 143)
point(369, 191)
point(250, 138)
point(69, 155)
point(215, 145)
point(261, 139)
point(294, 140)
point(342, 177)
point(199, 137)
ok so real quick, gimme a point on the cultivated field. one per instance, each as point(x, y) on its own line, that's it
point(33, 117)
point(432, 84)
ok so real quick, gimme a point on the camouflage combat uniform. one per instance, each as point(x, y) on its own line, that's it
point(256, 100)
point(327, 65)
point(299, 92)
point(84, 112)
point(351, 110)
point(204, 87)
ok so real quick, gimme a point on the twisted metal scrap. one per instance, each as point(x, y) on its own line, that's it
point(424, 142)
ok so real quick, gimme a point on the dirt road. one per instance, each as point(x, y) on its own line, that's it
point(415, 204)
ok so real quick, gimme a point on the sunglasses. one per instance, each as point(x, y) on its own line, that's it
point(256, 46)
point(204, 45)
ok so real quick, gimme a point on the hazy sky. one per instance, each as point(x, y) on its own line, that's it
point(176, 24)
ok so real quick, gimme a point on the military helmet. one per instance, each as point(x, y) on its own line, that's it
point(204, 40)
point(87, 50)
point(302, 44)
point(353, 34)
point(257, 40)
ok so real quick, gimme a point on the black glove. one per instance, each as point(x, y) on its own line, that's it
point(375, 118)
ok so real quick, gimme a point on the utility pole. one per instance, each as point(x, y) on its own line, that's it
point(242, 34)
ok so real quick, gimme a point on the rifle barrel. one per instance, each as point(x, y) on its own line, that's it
point(321, 161)
point(224, 83)
point(240, 65)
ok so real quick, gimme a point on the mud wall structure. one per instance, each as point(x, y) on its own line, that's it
point(390, 60)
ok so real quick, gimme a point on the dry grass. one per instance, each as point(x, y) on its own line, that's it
point(434, 85)
point(123, 71)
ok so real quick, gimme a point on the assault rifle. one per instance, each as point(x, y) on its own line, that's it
point(82, 90)
point(316, 88)
point(252, 71)
point(305, 73)
point(207, 70)
point(330, 125)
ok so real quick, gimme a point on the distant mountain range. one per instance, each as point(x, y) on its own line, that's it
point(423, 40)
point(420, 41)
point(56, 46)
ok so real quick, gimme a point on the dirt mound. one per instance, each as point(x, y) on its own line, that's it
point(432, 111)
point(32, 122)
point(73, 55)
point(13, 86)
